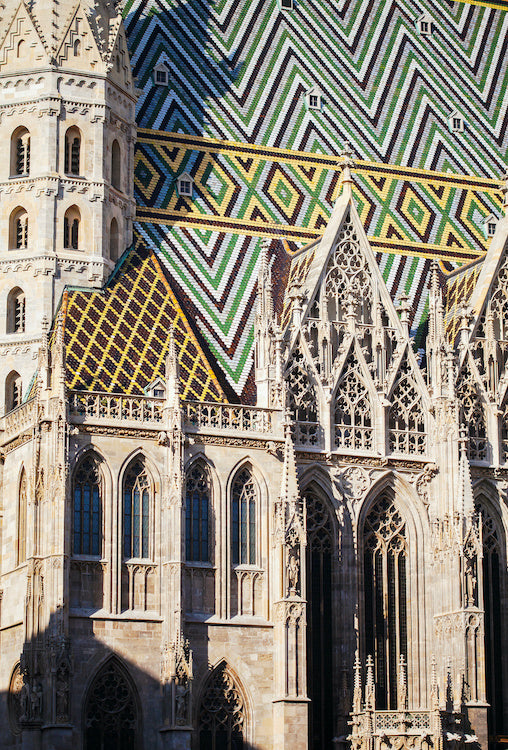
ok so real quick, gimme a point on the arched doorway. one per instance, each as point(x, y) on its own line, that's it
point(112, 717)
point(222, 714)
point(319, 621)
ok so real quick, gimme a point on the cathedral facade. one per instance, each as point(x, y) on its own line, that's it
point(311, 555)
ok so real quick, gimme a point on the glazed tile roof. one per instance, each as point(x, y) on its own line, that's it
point(116, 339)
point(235, 116)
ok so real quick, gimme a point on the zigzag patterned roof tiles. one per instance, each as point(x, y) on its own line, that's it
point(236, 116)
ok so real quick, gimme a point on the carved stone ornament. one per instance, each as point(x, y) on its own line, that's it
point(353, 482)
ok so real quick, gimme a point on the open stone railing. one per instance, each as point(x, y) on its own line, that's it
point(202, 416)
point(85, 406)
point(411, 722)
point(19, 419)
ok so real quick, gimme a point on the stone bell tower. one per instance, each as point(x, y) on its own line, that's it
point(67, 108)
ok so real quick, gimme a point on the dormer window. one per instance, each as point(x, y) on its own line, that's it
point(161, 74)
point(490, 225)
point(424, 24)
point(286, 4)
point(456, 122)
point(314, 99)
point(156, 389)
point(184, 185)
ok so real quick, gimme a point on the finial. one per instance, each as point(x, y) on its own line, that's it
point(404, 309)
point(347, 164)
point(357, 684)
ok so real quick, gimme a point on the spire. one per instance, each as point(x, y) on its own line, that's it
point(370, 691)
point(402, 692)
point(289, 489)
point(434, 687)
point(347, 165)
point(357, 685)
point(172, 373)
point(466, 496)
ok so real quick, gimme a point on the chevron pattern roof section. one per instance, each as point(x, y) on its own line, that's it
point(240, 71)
point(117, 339)
point(216, 274)
point(282, 193)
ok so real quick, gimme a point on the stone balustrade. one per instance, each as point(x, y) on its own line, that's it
point(204, 416)
point(92, 407)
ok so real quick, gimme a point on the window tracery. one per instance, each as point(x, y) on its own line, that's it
point(472, 416)
point(197, 494)
point(406, 423)
point(348, 280)
point(136, 511)
point(111, 717)
point(353, 411)
point(87, 508)
point(302, 400)
point(222, 715)
point(243, 519)
point(385, 627)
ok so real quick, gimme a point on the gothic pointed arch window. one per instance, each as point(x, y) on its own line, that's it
point(243, 518)
point(472, 415)
point(406, 422)
point(302, 400)
point(88, 496)
point(222, 713)
point(353, 411)
point(493, 586)
point(320, 557)
point(197, 513)
point(112, 717)
point(22, 518)
point(137, 499)
point(385, 586)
